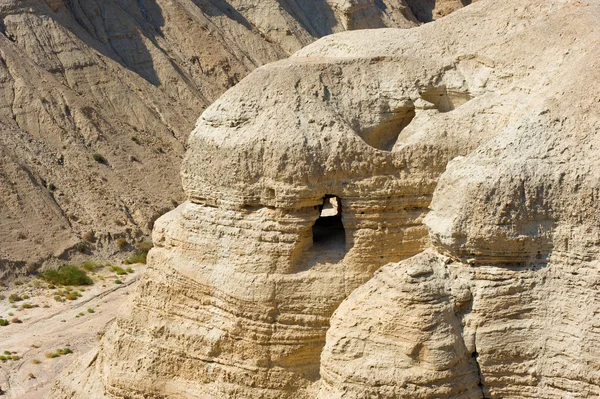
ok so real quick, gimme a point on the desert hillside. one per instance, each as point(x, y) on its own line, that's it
point(393, 213)
point(97, 99)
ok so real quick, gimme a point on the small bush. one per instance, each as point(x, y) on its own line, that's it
point(129, 270)
point(99, 158)
point(19, 282)
point(118, 282)
point(58, 298)
point(15, 357)
point(51, 187)
point(26, 297)
point(3, 358)
point(90, 310)
point(71, 297)
point(7, 353)
point(67, 275)
point(27, 305)
point(35, 361)
point(11, 314)
point(118, 270)
point(52, 355)
point(64, 351)
point(121, 242)
point(82, 247)
point(14, 298)
point(91, 266)
point(4, 322)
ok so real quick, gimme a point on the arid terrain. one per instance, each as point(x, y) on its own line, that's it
point(347, 199)
point(41, 326)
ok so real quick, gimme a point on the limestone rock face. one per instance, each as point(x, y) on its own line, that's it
point(315, 172)
point(505, 304)
point(126, 80)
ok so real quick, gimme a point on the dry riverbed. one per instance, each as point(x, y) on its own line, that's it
point(51, 325)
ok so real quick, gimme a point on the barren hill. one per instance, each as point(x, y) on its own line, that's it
point(97, 99)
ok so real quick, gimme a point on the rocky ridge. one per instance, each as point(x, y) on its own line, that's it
point(466, 165)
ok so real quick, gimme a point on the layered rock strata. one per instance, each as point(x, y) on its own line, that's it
point(314, 172)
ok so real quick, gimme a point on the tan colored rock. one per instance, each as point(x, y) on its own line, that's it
point(505, 304)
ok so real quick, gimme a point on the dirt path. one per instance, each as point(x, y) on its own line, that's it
point(54, 325)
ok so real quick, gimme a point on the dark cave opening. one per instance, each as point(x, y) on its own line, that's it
point(329, 228)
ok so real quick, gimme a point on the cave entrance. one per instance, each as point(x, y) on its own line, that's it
point(329, 230)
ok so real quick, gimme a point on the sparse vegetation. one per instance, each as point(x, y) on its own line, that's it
point(118, 270)
point(121, 242)
point(91, 266)
point(141, 254)
point(59, 352)
point(118, 282)
point(67, 275)
point(14, 298)
point(99, 158)
point(82, 247)
point(90, 310)
point(35, 361)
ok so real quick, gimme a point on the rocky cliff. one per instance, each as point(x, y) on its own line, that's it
point(386, 214)
point(97, 99)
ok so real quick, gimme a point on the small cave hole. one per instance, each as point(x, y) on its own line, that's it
point(329, 229)
point(443, 99)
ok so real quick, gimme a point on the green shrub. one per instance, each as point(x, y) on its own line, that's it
point(4, 323)
point(121, 242)
point(118, 282)
point(14, 298)
point(67, 275)
point(82, 247)
point(129, 270)
point(28, 306)
point(52, 355)
point(35, 361)
point(51, 187)
point(99, 158)
point(91, 266)
point(7, 353)
point(119, 271)
point(3, 358)
point(90, 310)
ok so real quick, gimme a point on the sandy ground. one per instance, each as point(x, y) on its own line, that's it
point(54, 325)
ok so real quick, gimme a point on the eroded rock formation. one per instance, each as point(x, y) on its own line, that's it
point(126, 80)
point(314, 172)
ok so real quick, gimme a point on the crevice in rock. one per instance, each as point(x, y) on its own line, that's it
point(385, 135)
point(475, 355)
point(443, 99)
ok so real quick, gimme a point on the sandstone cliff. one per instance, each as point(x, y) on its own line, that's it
point(126, 80)
point(315, 172)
